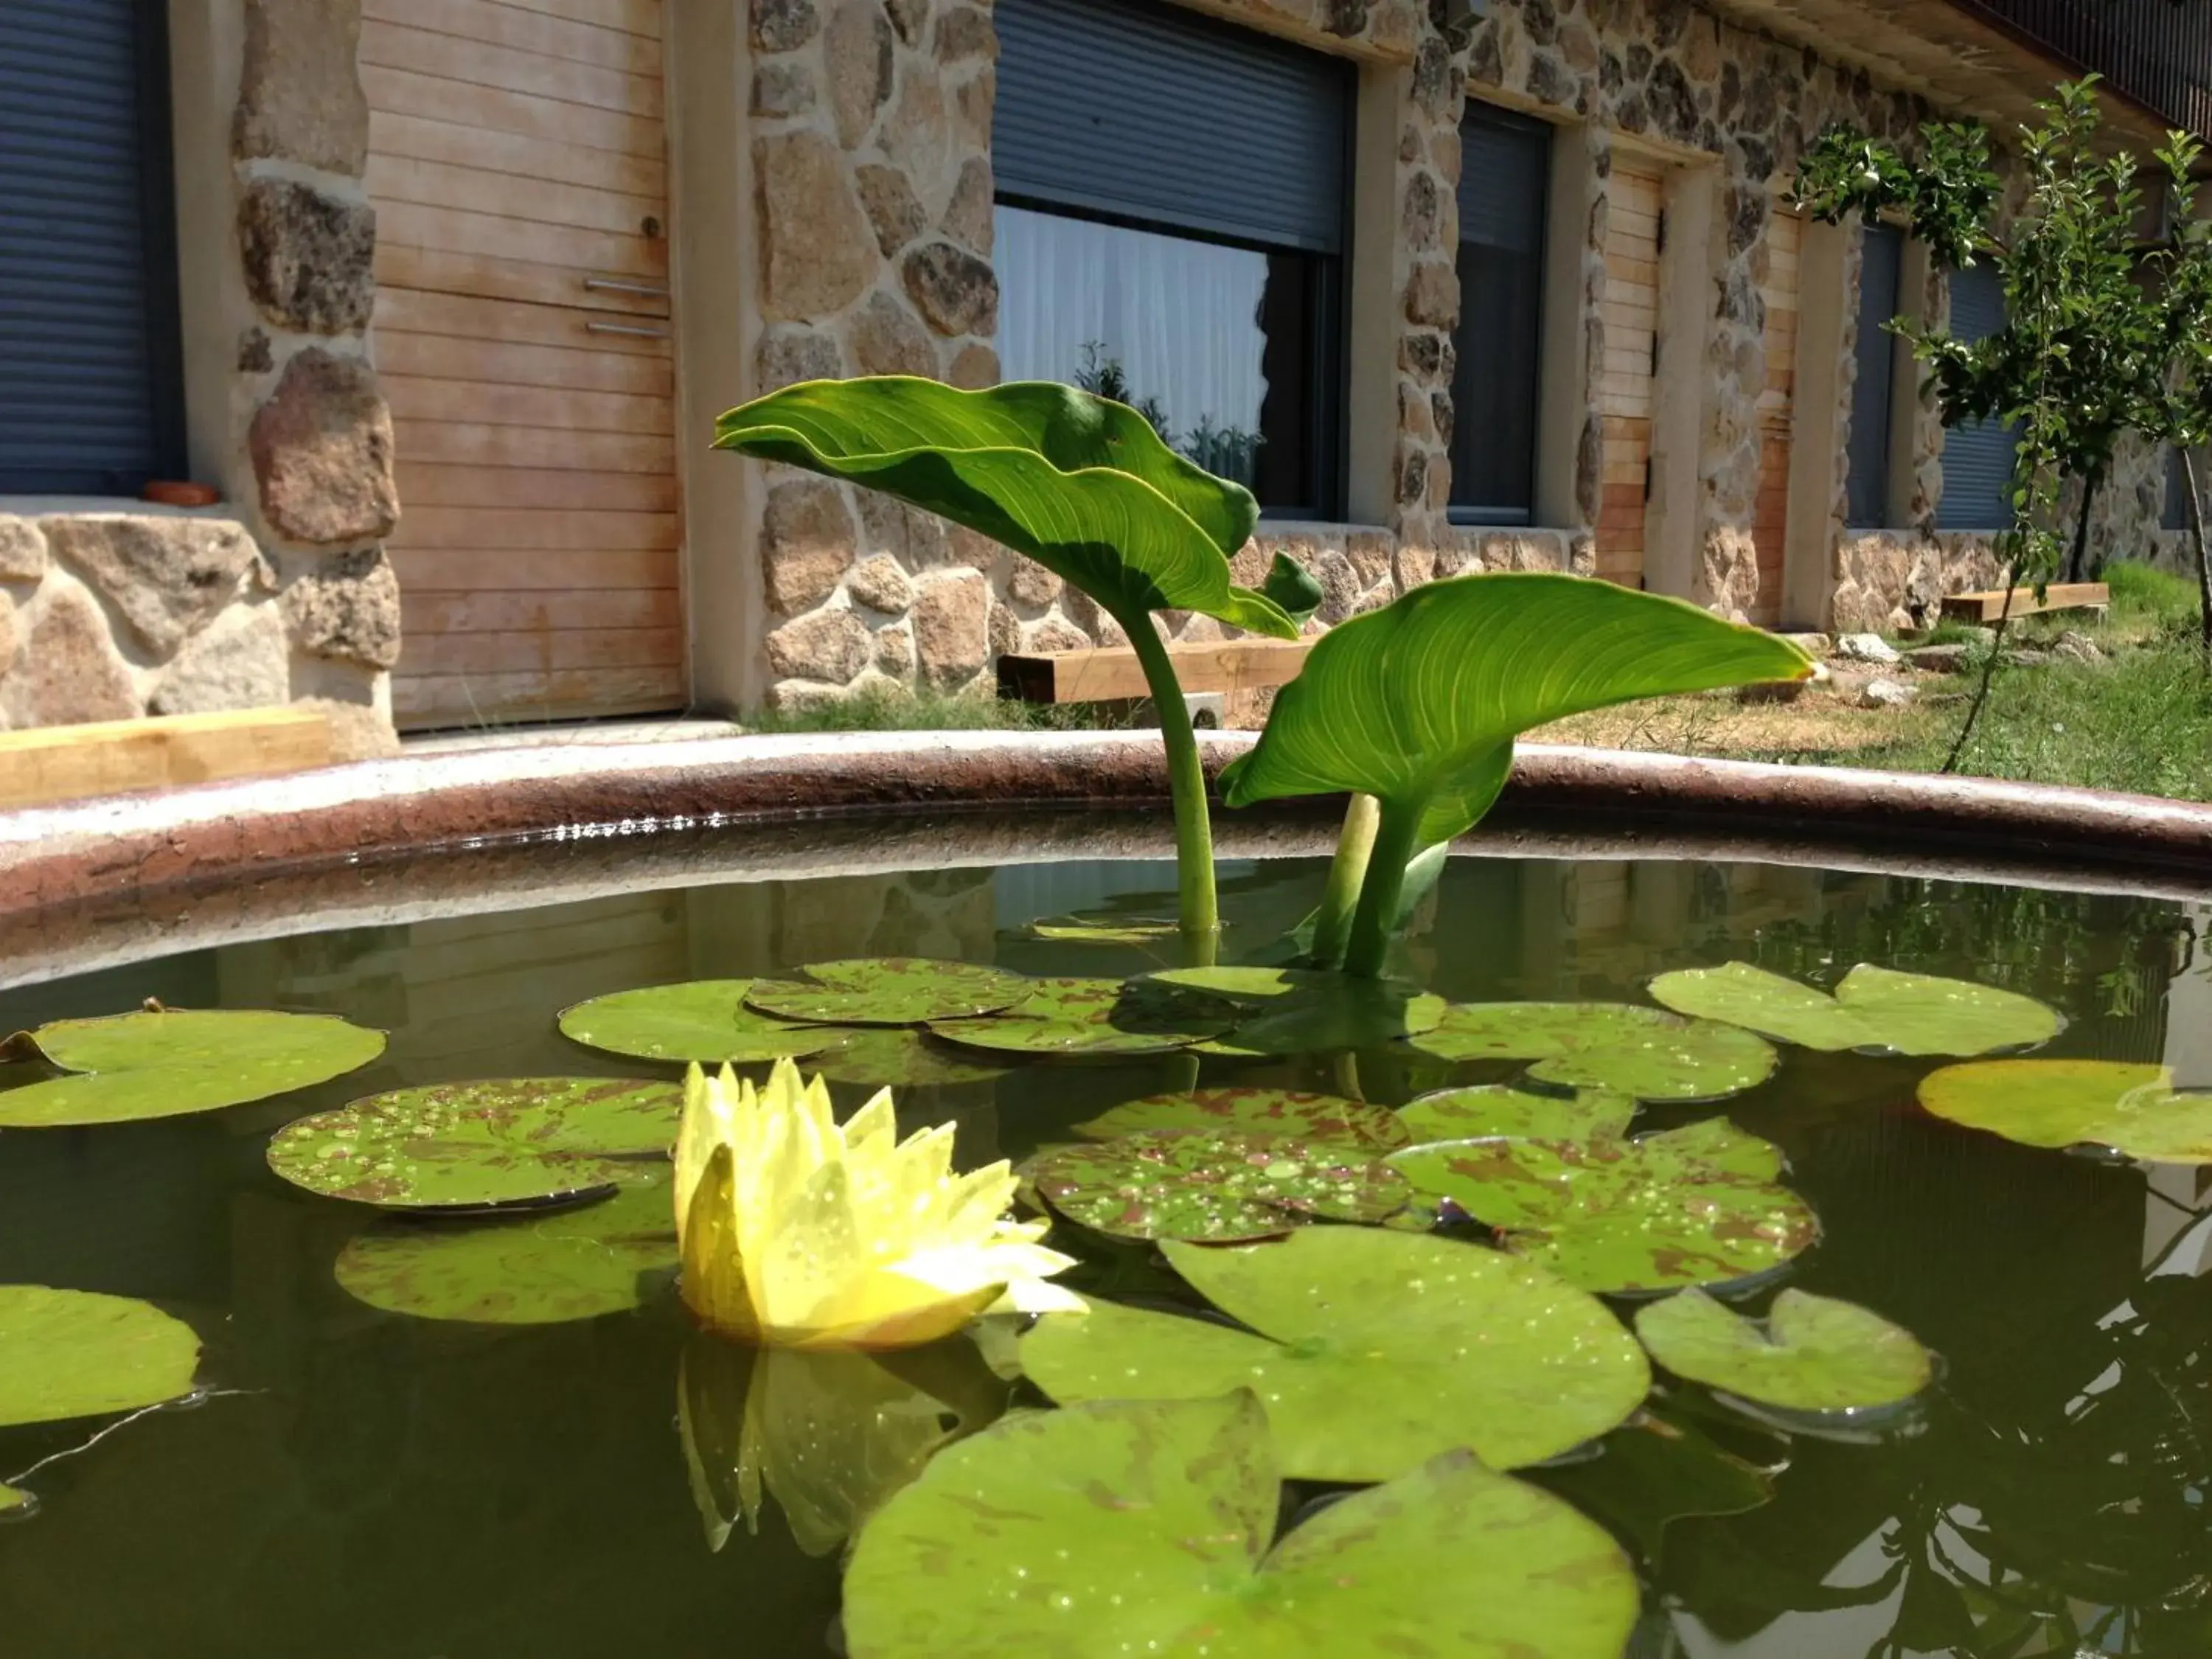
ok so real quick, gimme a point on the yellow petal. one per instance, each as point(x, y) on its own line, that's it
point(713, 1284)
point(811, 1263)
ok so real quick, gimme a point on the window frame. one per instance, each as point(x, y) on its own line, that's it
point(1884, 452)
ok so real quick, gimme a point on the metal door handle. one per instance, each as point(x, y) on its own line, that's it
point(624, 328)
point(609, 285)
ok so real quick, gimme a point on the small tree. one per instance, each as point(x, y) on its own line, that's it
point(2177, 408)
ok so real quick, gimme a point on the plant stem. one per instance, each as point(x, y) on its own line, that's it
point(1989, 672)
point(2080, 556)
point(2203, 562)
point(1377, 916)
point(1201, 915)
point(1354, 848)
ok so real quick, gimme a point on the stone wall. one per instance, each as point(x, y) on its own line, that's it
point(283, 594)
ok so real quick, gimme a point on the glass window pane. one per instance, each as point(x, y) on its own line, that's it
point(1504, 177)
point(1979, 456)
point(1879, 275)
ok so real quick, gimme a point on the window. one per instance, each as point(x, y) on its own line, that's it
point(1881, 271)
point(1505, 168)
point(1173, 200)
point(2176, 515)
point(1979, 456)
point(90, 386)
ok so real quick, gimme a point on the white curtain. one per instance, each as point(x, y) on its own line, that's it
point(1181, 317)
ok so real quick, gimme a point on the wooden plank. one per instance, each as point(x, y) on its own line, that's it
point(1112, 673)
point(633, 16)
point(574, 648)
point(536, 448)
point(1987, 607)
point(492, 23)
point(423, 138)
point(392, 180)
point(496, 528)
point(410, 92)
point(495, 612)
point(428, 700)
point(490, 235)
point(424, 484)
point(502, 68)
point(474, 570)
point(476, 318)
point(415, 398)
point(520, 281)
point(77, 763)
point(494, 362)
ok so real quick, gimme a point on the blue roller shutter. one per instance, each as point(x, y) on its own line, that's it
point(89, 400)
point(1979, 456)
point(1504, 182)
point(1145, 114)
point(1880, 274)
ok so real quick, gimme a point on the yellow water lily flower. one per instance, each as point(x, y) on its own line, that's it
point(800, 1233)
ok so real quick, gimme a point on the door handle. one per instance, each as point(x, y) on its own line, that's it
point(610, 285)
point(620, 328)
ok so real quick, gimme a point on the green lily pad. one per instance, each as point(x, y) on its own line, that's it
point(887, 991)
point(703, 1020)
point(1106, 927)
point(1811, 1353)
point(1296, 1011)
point(1220, 1188)
point(474, 1145)
point(1654, 1471)
point(575, 1264)
point(14, 1501)
point(1096, 1018)
point(1643, 1052)
point(1873, 1008)
point(1131, 1526)
point(1374, 1351)
point(2134, 1109)
point(1497, 1110)
point(1317, 1120)
point(77, 1353)
point(1692, 1207)
point(169, 1062)
point(882, 1057)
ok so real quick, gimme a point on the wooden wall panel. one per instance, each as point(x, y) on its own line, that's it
point(1625, 398)
point(1785, 235)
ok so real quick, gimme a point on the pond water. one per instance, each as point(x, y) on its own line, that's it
point(359, 1484)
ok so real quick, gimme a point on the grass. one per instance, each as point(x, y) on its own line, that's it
point(889, 708)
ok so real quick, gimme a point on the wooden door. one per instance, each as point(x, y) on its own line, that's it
point(1632, 326)
point(517, 161)
point(1785, 236)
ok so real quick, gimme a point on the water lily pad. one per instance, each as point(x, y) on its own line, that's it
point(881, 1058)
point(2134, 1109)
point(76, 1353)
point(604, 1258)
point(1692, 1207)
point(1811, 1353)
point(14, 1501)
point(168, 1062)
point(1106, 927)
point(1654, 1471)
point(1296, 1010)
point(1498, 1110)
point(1132, 1527)
point(1317, 1120)
point(887, 991)
point(1374, 1352)
point(474, 1145)
point(1174, 1184)
point(1643, 1052)
point(1096, 1018)
point(1873, 1008)
point(703, 1020)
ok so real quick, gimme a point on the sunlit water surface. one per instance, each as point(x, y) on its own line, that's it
point(364, 1486)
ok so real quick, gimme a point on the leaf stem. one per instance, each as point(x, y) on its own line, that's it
point(1200, 912)
point(1354, 848)
point(1377, 920)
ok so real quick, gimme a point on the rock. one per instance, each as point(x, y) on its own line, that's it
point(965, 32)
point(915, 539)
point(789, 354)
point(884, 338)
point(1813, 645)
point(951, 617)
point(807, 537)
point(69, 673)
point(1866, 647)
point(1432, 295)
point(308, 257)
point(880, 585)
point(784, 25)
point(1031, 583)
point(1055, 634)
point(1886, 694)
point(1340, 586)
point(322, 451)
point(167, 576)
point(781, 89)
point(974, 366)
point(967, 217)
point(857, 48)
point(831, 646)
point(889, 200)
point(1950, 658)
point(957, 292)
point(358, 732)
point(895, 652)
point(818, 250)
point(2027, 657)
point(1420, 218)
point(300, 96)
point(22, 549)
point(911, 17)
point(348, 610)
point(10, 636)
point(2074, 646)
point(240, 661)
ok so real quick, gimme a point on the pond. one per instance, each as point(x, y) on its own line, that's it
point(358, 1479)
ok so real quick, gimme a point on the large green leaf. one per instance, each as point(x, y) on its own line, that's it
point(1873, 1008)
point(1813, 1354)
point(703, 1020)
point(604, 1258)
point(167, 1062)
point(1221, 1187)
point(1698, 1206)
point(886, 991)
point(1617, 1046)
point(2134, 1109)
point(1418, 703)
point(1096, 1018)
point(1492, 1110)
point(1376, 1350)
point(1142, 1527)
point(473, 1146)
point(76, 1353)
point(1298, 1010)
point(1083, 486)
point(887, 1055)
point(1317, 1120)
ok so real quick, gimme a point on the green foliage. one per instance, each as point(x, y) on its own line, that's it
point(2133, 1109)
point(76, 1353)
point(1811, 1353)
point(1872, 1008)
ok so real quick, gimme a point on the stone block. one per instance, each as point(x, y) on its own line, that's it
point(69, 673)
point(881, 585)
point(22, 549)
point(957, 292)
point(951, 622)
point(890, 204)
point(788, 354)
point(300, 96)
point(168, 577)
point(308, 257)
point(783, 88)
point(965, 32)
point(784, 25)
point(884, 338)
point(1031, 583)
point(322, 451)
point(857, 60)
point(967, 217)
point(894, 652)
point(828, 647)
point(242, 659)
point(807, 544)
point(916, 539)
point(818, 250)
point(358, 732)
point(11, 636)
point(348, 610)
point(1432, 295)
point(912, 17)
point(973, 367)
